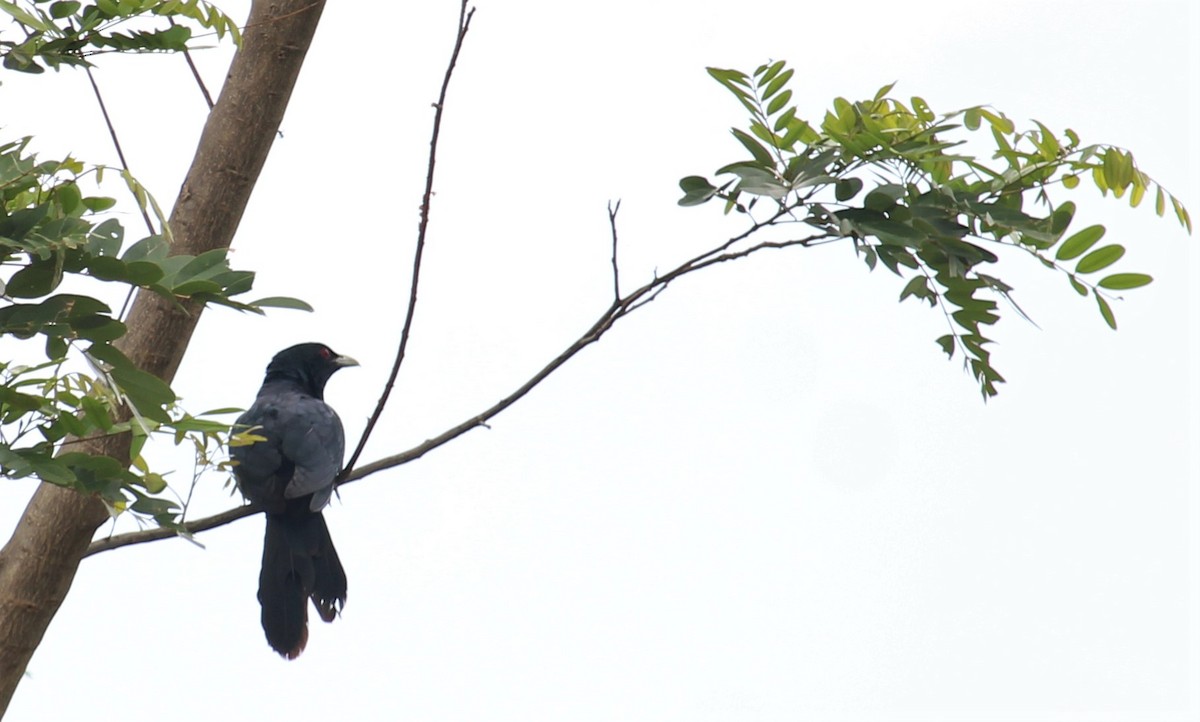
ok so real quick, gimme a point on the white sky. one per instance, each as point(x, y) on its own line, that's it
point(767, 496)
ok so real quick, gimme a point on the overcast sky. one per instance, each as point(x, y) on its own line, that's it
point(767, 495)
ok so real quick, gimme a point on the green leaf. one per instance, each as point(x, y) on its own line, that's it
point(203, 266)
point(99, 328)
point(921, 108)
point(999, 123)
point(1122, 281)
point(696, 190)
point(971, 118)
point(736, 83)
point(148, 393)
point(143, 273)
point(1079, 242)
point(760, 153)
point(1137, 194)
point(729, 76)
point(26, 18)
point(195, 287)
point(66, 8)
point(1118, 168)
point(947, 344)
point(1181, 213)
point(107, 268)
point(1100, 258)
point(918, 286)
point(151, 248)
point(882, 92)
point(1106, 312)
point(1061, 219)
point(36, 279)
point(891, 231)
point(847, 188)
point(97, 413)
point(785, 120)
point(53, 471)
point(780, 80)
point(152, 505)
point(106, 238)
point(884, 197)
point(154, 483)
point(778, 102)
point(282, 302)
point(767, 73)
point(798, 130)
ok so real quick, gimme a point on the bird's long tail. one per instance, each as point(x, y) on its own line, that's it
point(299, 561)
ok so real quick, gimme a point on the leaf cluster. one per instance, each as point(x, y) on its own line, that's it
point(893, 178)
point(67, 32)
point(51, 232)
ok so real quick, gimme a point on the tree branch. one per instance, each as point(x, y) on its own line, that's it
point(464, 24)
point(612, 224)
point(616, 311)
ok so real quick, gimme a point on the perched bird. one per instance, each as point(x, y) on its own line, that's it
point(290, 475)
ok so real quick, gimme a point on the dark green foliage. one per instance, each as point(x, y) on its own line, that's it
point(49, 233)
point(67, 32)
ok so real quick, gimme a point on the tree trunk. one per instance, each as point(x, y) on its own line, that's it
point(39, 561)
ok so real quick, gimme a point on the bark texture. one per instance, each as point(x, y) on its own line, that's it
point(39, 562)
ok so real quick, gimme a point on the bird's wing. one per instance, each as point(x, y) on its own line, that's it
point(302, 453)
point(311, 437)
point(261, 470)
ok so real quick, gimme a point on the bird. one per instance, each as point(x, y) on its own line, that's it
point(289, 472)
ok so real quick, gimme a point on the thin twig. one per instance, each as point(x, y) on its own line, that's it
point(149, 535)
point(195, 72)
point(612, 224)
point(464, 24)
point(112, 131)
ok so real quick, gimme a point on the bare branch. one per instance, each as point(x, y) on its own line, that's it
point(464, 24)
point(195, 72)
point(112, 132)
point(149, 535)
point(612, 223)
point(616, 311)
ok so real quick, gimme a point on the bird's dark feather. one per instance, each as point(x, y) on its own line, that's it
point(291, 475)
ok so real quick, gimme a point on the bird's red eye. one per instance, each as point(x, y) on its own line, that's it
point(326, 353)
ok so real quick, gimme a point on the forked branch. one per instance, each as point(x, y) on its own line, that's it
point(464, 24)
point(618, 309)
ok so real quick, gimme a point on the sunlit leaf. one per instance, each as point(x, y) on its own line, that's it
point(1100, 258)
point(1106, 312)
point(1122, 281)
point(1079, 242)
point(780, 80)
point(282, 302)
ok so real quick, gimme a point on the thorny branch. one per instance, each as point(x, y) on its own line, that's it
point(617, 310)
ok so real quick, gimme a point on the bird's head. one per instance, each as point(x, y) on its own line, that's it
point(308, 364)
